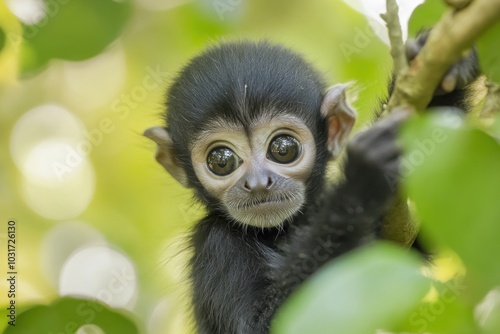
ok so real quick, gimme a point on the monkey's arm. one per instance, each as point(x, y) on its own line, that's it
point(347, 216)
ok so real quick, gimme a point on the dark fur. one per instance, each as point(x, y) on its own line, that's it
point(240, 276)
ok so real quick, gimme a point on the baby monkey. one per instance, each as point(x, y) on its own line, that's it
point(250, 127)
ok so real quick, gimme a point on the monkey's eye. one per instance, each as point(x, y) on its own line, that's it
point(223, 161)
point(284, 149)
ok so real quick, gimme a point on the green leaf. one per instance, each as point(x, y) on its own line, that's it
point(73, 30)
point(369, 289)
point(453, 175)
point(66, 315)
point(446, 312)
point(425, 16)
point(2, 39)
point(487, 47)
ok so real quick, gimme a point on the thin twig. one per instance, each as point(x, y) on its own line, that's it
point(391, 18)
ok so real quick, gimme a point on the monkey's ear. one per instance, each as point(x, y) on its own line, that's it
point(340, 117)
point(165, 153)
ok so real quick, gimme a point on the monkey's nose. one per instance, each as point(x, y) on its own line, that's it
point(255, 184)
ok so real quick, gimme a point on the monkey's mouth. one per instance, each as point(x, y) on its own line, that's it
point(277, 200)
point(265, 211)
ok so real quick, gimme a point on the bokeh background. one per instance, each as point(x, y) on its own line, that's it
point(79, 82)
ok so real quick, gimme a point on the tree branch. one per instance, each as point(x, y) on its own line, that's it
point(454, 34)
point(391, 18)
point(415, 83)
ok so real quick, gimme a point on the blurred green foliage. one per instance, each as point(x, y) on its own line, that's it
point(73, 30)
point(448, 155)
point(93, 57)
point(425, 16)
point(66, 315)
point(488, 53)
point(2, 39)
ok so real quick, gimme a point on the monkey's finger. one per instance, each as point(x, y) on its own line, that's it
point(450, 80)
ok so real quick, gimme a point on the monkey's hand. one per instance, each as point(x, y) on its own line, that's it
point(458, 76)
point(373, 161)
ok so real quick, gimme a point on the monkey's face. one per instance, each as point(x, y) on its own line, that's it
point(241, 127)
point(260, 179)
point(258, 171)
